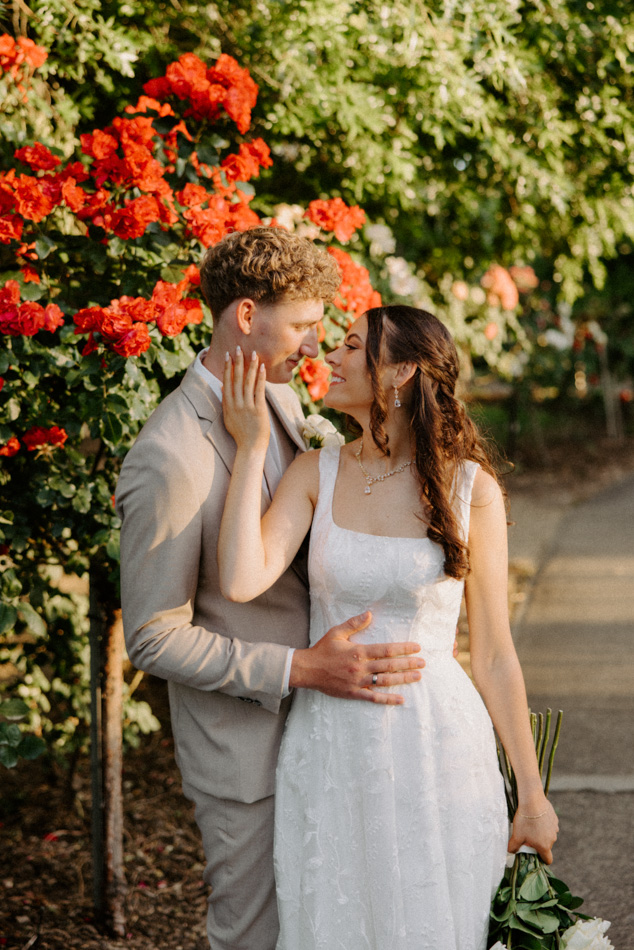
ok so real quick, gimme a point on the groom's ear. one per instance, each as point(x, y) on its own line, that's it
point(245, 312)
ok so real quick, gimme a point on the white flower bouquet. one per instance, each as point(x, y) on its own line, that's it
point(532, 909)
point(316, 431)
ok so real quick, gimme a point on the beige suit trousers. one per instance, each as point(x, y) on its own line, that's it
point(238, 844)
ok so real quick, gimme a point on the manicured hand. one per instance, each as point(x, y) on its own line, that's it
point(339, 668)
point(244, 402)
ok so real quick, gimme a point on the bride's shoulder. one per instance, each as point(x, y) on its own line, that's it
point(486, 489)
point(306, 464)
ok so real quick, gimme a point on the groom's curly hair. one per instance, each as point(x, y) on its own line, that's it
point(266, 264)
point(444, 436)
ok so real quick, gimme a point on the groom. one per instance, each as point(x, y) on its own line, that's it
point(231, 668)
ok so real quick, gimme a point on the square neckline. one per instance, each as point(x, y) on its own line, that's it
point(363, 534)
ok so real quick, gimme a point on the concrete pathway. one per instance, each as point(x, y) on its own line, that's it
point(575, 639)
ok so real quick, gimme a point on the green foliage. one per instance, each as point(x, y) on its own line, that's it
point(532, 908)
point(479, 130)
point(14, 743)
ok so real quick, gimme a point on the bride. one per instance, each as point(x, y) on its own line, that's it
point(390, 829)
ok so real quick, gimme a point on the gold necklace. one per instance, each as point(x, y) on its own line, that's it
point(371, 479)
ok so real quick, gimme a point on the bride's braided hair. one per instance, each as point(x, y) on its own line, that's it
point(444, 436)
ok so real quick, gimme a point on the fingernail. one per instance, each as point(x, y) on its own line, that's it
point(254, 356)
point(238, 350)
point(227, 357)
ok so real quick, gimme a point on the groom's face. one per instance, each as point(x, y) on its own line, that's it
point(283, 333)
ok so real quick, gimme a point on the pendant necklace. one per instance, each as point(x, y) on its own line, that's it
point(371, 479)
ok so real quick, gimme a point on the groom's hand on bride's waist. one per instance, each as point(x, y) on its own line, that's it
point(353, 670)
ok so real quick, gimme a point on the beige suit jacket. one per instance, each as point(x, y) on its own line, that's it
point(213, 653)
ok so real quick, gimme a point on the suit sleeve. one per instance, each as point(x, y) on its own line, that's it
point(161, 541)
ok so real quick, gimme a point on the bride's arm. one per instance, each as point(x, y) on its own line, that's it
point(254, 552)
point(496, 668)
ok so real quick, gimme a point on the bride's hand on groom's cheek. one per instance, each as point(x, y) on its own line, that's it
point(351, 670)
point(244, 409)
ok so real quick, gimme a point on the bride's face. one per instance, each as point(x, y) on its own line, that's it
point(350, 385)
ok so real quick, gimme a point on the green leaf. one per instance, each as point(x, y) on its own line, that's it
point(82, 500)
point(8, 756)
point(545, 921)
point(8, 617)
point(112, 546)
point(571, 903)
point(13, 709)
point(31, 747)
point(534, 886)
point(43, 246)
point(10, 735)
point(515, 923)
point(112, 428)
point(33, 291)
point(33, 620)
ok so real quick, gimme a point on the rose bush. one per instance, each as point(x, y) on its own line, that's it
point(100, 313)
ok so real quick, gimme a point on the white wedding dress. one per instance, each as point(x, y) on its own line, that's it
point(391, 825)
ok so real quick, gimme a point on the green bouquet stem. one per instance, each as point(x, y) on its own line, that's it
point(532, 908)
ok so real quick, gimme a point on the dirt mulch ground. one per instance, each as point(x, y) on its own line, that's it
point(45, 873)
point(45, 863)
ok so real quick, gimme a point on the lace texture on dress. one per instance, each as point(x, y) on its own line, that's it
point(391, 825)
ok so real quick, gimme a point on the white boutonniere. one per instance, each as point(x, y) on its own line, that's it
point(318, 432)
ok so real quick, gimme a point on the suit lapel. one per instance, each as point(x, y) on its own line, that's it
point(286, 413)
point(209, 407)
point(291, 421)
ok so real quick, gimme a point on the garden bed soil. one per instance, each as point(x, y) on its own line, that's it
point(45, 864)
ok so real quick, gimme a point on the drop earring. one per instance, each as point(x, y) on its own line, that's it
point(397, 401)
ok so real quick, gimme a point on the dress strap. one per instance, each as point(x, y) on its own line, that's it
point(463, 488)
point(328, 468)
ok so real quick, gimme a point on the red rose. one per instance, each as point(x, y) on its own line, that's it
point(192, 196)
point(34, 55)
point(10, 228)
point(192, 275)
point(74, 196)
point(242, 91)
point(37, 436)
point(355, 294)
point(10, 448)
point(29, 274)
point(30, 199)
point(38, 157)
point(31, 317)
point(241, 217)
point(114, 324)
point(147, 102)
point(208, 224)
point(316, 375)
point(10, 293)
point(138, 309)
point(53, 318)
point(131, 221)
point(335, 215)
point(98, 144)
point(134, 342)
point(89, 319)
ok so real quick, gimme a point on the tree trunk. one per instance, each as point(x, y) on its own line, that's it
point(112, 769)
point(106, 640)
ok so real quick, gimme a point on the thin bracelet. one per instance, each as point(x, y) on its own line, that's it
point(532, 817)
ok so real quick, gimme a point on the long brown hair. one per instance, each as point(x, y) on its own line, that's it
point(444, 435)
